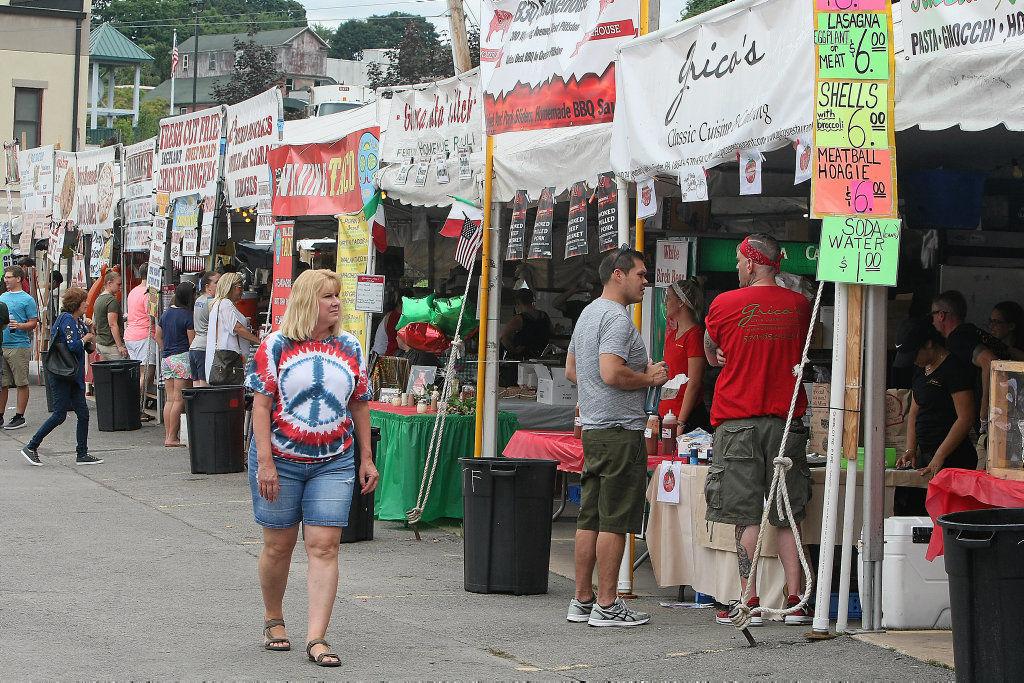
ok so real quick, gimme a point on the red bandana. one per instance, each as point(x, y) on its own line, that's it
point(756, 255)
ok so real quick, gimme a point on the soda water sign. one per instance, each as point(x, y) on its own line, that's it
point(857, 250)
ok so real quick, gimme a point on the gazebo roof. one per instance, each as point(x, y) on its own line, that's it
point(107, 44)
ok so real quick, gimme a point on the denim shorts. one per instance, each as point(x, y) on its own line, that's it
point(197, 363)
point(316, 494)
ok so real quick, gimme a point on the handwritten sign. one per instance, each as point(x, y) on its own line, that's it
point(851, 114)
point(672, 262)
point(284, 250)
point(852, 45)
point(370, 293)
point(843, 176)
point(856, 250)
point(849, 5)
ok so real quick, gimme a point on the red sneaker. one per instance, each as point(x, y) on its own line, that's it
point(756, 620)
point(804, 616)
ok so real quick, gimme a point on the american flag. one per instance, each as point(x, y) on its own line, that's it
point(174, 54)
point(469, 243)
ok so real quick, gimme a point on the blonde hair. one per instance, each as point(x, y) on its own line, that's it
point(690, 294)
point(303, 304)
point(225, 284)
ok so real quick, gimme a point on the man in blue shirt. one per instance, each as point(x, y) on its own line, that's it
point(17, 344)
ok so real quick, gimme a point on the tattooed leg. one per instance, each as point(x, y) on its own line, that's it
point(746, 540)
point(742, 558)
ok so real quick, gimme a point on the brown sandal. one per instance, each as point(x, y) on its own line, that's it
point(319, 659)
point(275, 644)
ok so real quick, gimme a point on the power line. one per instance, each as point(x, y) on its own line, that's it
point(142, 23)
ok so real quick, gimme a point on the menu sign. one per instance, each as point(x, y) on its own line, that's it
point(862, 251)
point(852, 45)
point(607, 212)
point(576, 233)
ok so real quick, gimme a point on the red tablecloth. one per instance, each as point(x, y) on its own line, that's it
point(954, 490)
point(531, 444)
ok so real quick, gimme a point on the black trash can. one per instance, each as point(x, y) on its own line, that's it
point(116, 385)
point(216, 428)
point(507, 524)
point(360, 514)
point(46, 380)
point(985, 564)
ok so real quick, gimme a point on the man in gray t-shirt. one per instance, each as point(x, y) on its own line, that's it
point(609, 364)
point(201, 322)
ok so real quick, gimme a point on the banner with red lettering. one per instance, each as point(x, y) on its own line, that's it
point(442, 118)
point(284, 250)
point(325, 179)
point(551, 64)
point(253, 126)
point(190, 153)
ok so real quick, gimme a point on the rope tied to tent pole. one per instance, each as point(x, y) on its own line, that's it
point(778, 495)
point(414, 515)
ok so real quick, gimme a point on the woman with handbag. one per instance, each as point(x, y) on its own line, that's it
point(65, 368)
point(225, 364)
point(310, 417)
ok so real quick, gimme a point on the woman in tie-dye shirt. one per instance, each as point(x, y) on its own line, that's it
point(310, 417)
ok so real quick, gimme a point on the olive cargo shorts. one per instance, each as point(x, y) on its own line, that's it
point(613, 482)
point(741, 471)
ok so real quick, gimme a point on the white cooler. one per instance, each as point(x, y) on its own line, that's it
point(915, 592)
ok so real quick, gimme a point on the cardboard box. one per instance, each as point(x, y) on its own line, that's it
point(897, 408)
point(553, 388)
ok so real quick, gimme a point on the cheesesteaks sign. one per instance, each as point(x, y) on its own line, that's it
point(551, 64)
point(697, 95)
point(252, 128)
point(189, 153)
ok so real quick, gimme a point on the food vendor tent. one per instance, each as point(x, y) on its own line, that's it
point(557, 157)
point(321, 129)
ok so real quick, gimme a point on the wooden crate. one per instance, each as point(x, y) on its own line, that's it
point(1006, 420)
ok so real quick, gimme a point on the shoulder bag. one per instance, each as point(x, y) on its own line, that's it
point(60, 361)
point(227, 368)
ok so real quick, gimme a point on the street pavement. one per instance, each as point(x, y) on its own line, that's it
point(138, 569)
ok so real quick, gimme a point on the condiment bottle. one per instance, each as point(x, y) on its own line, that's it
point(669, 427)
point(435, 397)
point(651, 434)
point(577, 430)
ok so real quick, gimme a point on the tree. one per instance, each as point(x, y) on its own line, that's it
point(151, 23)
point(324, 31)
point(695, 7)
point(376, 32)
point(150, 113)
point(254, 73)
point(419, 58)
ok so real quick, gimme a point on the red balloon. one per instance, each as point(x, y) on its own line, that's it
point(424, 337)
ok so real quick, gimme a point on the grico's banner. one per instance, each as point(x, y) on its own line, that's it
point(253, 127)
point(325, 179)
point(701, 92)
point(941, 28)
point(442, 118)
point(551, 64)
point(190, 153)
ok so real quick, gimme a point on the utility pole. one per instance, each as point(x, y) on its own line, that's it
point(196, 6)
point(460, 41)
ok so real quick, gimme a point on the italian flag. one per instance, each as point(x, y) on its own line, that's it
point(374, 213)
point(462, 210)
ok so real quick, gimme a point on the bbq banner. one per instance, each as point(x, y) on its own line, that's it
point(551, 64)
point(253, 126)
point(189, 159)
point(607, 212)
point(576, 233)
point(35, 166)
point(540, 243)
point(326, 179)
point(517, 228)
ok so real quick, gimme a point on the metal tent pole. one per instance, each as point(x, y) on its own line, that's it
point(489, 395)
point(874, 455)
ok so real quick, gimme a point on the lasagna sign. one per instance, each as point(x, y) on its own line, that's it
point(324, 179)
point(190, 153)
point(552, 64)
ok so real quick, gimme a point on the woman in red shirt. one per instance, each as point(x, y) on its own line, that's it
point(684, 353)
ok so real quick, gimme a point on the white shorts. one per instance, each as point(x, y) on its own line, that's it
point(144, 350)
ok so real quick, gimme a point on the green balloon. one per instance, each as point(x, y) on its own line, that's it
point(415, 311)
point(446, 316)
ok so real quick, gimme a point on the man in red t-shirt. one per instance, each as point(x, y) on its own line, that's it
point(756, 335)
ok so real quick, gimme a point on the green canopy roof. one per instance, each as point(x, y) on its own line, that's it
point(107, 44)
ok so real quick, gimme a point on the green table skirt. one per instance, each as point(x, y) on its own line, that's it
point(402, 453)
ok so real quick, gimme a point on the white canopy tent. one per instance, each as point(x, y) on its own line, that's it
point(323, 129)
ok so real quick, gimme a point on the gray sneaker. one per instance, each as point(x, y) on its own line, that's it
point(579, 612)
point(32, 456)
point(617, 615)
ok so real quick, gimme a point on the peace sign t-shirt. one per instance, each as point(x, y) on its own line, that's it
point(311, 383)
